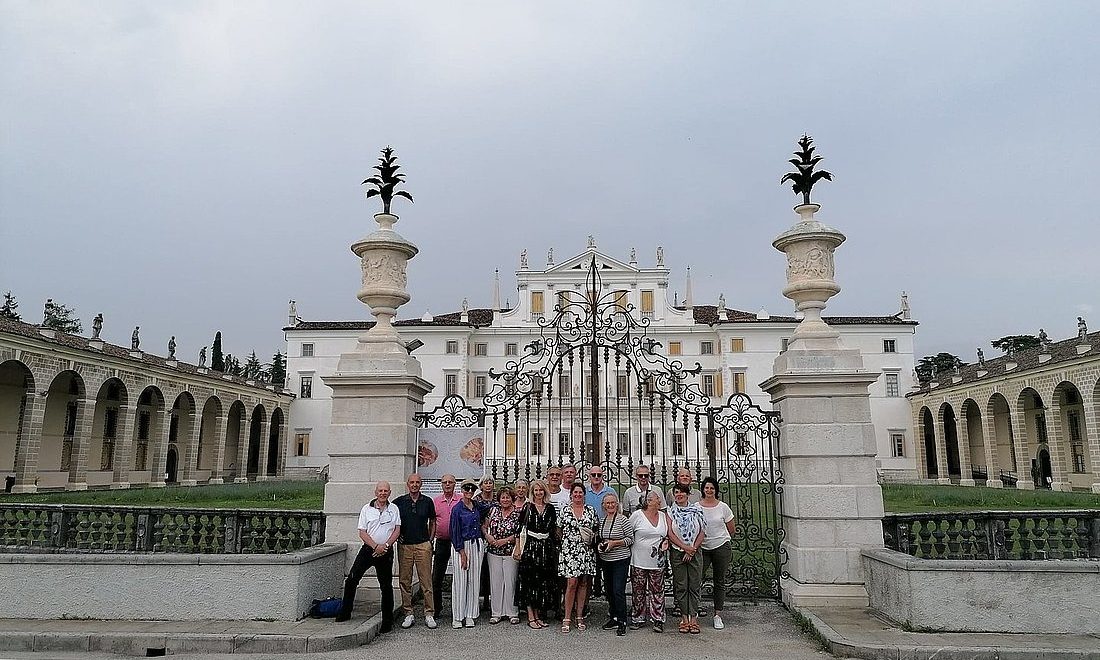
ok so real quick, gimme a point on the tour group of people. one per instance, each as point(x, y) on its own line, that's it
point(543, 548)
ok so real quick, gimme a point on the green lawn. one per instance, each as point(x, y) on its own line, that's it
point(904, 498)
point(309, 495)
point(304, 495)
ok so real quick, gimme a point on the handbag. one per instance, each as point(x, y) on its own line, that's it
point(587, 535)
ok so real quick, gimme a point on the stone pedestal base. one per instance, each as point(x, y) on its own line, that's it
point(1025, 484)
point(189, 482)
point(966, 482)
point(120, 485)
point(156, 484)
point(797, 594)
point(79, 486)
point(215, 481)
point(24, 489)
point(994, 483)
point(240, 480)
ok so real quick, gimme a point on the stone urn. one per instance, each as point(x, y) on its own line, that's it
point(809, 247)
point(383, 255)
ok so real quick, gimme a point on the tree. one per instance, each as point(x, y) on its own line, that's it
point(384, 185)
point(277, 370)
point(60, 318)
point(252, 367)
point(934, 365)
point(1016, 343)
point(10, 308)
point(217, 360)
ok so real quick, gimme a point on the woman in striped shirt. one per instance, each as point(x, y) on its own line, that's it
point(615, 535)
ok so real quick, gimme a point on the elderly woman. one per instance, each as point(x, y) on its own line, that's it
point(467, 548)
point(577, 560)
point(521, 490)
point(501, 530)
point(647, 564)
point(717, 545)
point(615, 536)
point(538, 563)
point(686, 536)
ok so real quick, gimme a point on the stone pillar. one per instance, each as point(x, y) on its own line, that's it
point(832, 503)
point(1057, 445)
point(190, 462)
point(28, 443)
point(158, 458)
point(1091, 417)
point(241, 459)
point(280, 469)
point(376, 390)
point(943, 469)
point(265, 439)
point(1023, 450)
point(992, 461)
point(918, 441)
point(82, 438)
point(217, 443)
point(124, 446)
point(962, 439)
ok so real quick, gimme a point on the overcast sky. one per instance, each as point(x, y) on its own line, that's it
point(191, 166)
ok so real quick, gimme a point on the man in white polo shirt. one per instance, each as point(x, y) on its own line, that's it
point(379, 527)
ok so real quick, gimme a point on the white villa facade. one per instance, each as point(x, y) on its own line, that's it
point(735, 349)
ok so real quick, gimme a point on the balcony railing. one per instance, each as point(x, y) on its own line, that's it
point(995, 534)
point(81, 528)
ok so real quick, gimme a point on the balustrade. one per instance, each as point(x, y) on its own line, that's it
point(79, 528)
point(995, 535)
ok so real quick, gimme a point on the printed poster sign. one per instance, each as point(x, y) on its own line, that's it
point(457, 451)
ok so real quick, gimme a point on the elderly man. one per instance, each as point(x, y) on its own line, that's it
point(683, 476)
point(415, 549)
point(441, 553)
point(553, 483)
point(560, 499)
point(635, 496)
point(379, 527)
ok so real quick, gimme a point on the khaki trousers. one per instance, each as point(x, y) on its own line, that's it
point(420, 556)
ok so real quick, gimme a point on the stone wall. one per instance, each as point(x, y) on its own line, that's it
point(1052, 596)
point(173, 587)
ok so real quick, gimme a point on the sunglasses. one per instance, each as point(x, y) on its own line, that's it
point(469, 487)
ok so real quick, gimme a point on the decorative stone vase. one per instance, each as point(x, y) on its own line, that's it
point(809, 247)
point(383, 255)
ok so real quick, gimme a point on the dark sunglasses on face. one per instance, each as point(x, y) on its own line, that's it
point(469, 487)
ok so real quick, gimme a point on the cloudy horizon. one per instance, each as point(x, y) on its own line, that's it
point(190, 167)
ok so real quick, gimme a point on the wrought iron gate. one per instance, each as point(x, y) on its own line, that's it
point(594, 388)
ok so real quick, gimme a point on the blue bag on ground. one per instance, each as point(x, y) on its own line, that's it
point(324, 609)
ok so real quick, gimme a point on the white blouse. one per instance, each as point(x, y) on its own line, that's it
point(647, 538)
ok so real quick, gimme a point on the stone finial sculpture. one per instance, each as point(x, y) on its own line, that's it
point(660, 256)
point(633, 255)
point(906, 314)
point(550, 257)
point(523, 259)
point(49, 303)
point(172, 347)
point(1082, 329)
point(721, 305)
point(384, 185)
point(202, 356)
point(804, 177)
point(465, 306)
point(1044, 340)
point(981, 357)
point(135, 339)
point(97, 325)
point(591, 242)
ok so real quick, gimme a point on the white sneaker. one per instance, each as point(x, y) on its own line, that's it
point(408, 622)
point(429, 621)
point(718, 623)
point(469, 622)
point(457, 625)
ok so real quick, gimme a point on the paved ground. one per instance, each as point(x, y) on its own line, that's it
point(762, 632)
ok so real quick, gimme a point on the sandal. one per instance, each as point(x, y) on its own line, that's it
point(533, 625)
point(685, 627)
point(695, 628)
point(580, 623)
point(565, 625)
point(494, 620)
point(514, 621)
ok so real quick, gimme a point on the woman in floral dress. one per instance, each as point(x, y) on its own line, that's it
point(577, 560)
point(538, 566)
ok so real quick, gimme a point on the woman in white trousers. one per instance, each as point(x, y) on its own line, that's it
point(467, 550)
point(501, 531)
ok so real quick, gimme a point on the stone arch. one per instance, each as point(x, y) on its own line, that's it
point(1033, 418)
point(274, 443)
point(1002, 442)
point(1072, 448)
point(206, 453)
point(233, 430)
point(16, 384)
point(59, 424)
point(949, 424)
point(255, 438)
point(975, 436)
point(107, 425)
point(148, 422)
point(181, 429)
point(928, 433)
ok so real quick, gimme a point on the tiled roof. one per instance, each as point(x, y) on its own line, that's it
point(1061, 351)
point(83, 343)
point(705, 314)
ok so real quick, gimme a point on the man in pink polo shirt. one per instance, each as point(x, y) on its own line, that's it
point(441, 554)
